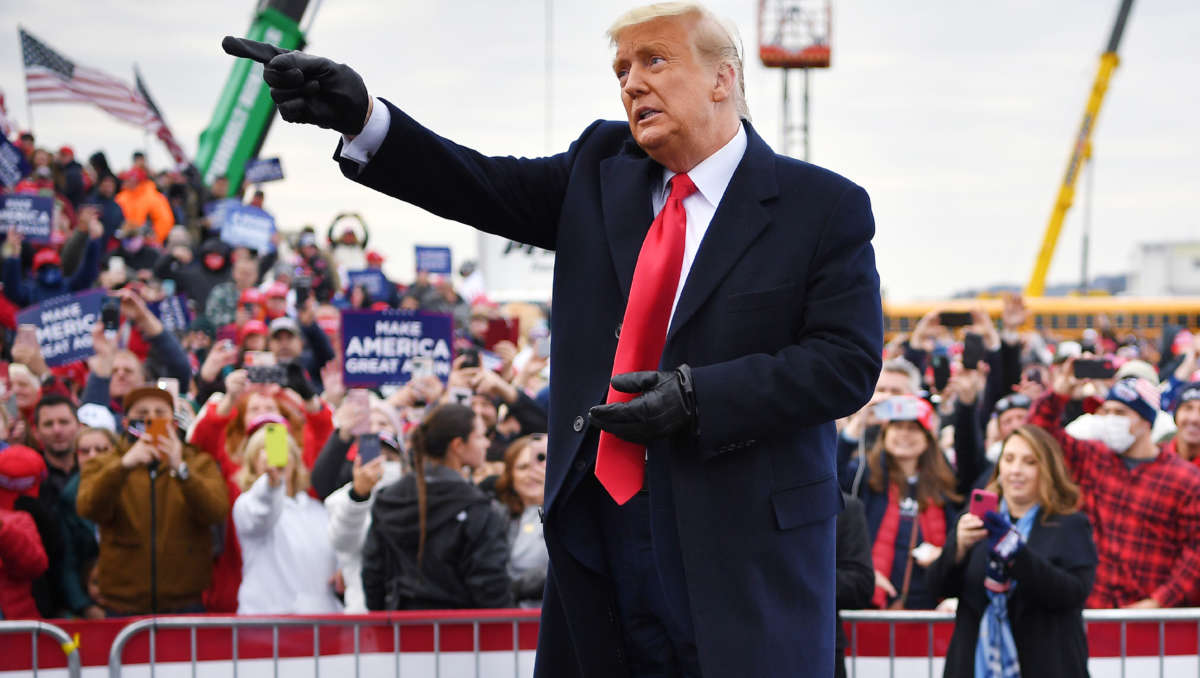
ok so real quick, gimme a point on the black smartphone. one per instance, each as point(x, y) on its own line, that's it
point(470, 358)
point(1095, 369)
point(368, 447)
point(303, 287)
point(956, 319)
point(972, 351)
point(110, 313)
point(266, 374)
point(941, 372)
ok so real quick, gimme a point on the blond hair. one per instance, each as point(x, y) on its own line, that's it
point(715, 39)
point(297, 481)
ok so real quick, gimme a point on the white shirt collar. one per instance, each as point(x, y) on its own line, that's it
point(713, 174)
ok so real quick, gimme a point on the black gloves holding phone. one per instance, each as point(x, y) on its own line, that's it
point(308, 88)
point(667, 404)
point(297, 380)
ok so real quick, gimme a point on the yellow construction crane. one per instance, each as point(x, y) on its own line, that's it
point(1080, 153)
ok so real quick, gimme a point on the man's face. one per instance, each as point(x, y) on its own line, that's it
point(670, 95)
point(150, 408)
point(1010, 420)
point(485, 409)
point(893, 384)
point(245, 273)
point(285, 345)
point(56, 428)
point(1137, 426)
point(1187, 420)
point(126, 375)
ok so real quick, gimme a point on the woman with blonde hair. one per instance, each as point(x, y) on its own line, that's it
point(1022, 572)
point(287, 558)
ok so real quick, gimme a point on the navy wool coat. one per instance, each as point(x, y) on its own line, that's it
point(779, 319)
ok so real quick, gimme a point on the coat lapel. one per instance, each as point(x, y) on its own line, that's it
point(739, 219)
point(625, 182)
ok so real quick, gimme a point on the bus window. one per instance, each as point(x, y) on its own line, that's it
point(1072, 321)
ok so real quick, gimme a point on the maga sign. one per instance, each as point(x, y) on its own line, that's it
point(248, 226)
point(65, 325)
point(29, 214)
point(391, 347)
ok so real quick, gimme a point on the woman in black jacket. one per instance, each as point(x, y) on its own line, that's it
point(1021, 573)
point(435, 542)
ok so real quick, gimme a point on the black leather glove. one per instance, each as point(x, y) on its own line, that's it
point(667, 404)
point(308, 88)
point(297, 380)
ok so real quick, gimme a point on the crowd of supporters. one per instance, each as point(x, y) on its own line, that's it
point(172, 472)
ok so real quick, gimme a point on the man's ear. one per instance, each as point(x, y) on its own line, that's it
point(726, 80)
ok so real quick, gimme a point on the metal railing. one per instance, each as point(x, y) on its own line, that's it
point(396, 621)
point(1121, 617)
point(37, 628)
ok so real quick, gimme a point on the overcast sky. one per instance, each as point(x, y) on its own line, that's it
point(955, 116)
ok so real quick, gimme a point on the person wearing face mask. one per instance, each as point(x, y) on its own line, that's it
point(136, 248)
point(349, 510)
point(48, 279)
point(1144, 502)
point(190, 498)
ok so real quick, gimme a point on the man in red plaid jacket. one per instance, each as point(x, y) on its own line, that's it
point(1144, 503)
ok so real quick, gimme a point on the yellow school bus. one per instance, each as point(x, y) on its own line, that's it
point(1064, 317)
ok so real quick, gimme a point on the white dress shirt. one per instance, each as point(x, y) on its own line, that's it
point(711, 177)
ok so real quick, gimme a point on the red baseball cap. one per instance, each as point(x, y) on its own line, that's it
point(277, 289)
point(133, 174)
point(251, 327)
point(251, 296)
point(46, 256)
point(374, 257)
point(67, 150)
point(21, 473)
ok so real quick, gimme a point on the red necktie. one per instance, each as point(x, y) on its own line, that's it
point(620, 464)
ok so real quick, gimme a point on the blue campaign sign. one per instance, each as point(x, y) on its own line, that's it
point(433, 259)
point(391, 347)
point(261, 170)
point(65, 325)
point(248, 226)
point(13, 165)
point(372, 279)
point(172, 312)
point(29, 214)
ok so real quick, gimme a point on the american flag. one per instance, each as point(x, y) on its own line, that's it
point(158, 125)
point(52, 78)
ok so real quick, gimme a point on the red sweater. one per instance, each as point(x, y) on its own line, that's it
point(22, 559)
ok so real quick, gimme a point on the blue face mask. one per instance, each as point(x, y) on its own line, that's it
point(50, 276)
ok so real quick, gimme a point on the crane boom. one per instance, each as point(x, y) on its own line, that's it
point(1080, 152)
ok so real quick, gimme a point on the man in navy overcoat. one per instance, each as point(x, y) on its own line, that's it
point(723, 565)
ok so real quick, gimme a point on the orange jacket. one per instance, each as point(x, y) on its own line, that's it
point(145, 202)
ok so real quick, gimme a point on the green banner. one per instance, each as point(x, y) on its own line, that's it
point(245, 109)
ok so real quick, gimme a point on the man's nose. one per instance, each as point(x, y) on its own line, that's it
point(634, 82)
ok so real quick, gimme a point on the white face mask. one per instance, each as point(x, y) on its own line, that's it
point(392, 470)
point(1113, 430)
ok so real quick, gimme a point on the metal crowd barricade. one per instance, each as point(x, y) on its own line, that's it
point(356, 623)
point(1097, 623)
point(38, 628)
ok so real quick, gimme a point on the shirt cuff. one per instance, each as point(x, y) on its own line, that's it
point(363, 147)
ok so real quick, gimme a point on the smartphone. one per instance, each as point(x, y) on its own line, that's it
point(470, 358)
point(941, 372)
point(541, 348)
point(10, 408)
point(983, 501)
point(360, 398)
point(501, 329)
point(303, 287)
point(170, 385)
point(157, 428)
point(261, 368)
point(460, 395)
point(110, 313)
point(1095, 369)
point(956, 319)
point(972, 350)
point(277, 445)
point(368, 447)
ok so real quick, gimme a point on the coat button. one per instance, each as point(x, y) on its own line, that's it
point(617, 332)
point(577, 424)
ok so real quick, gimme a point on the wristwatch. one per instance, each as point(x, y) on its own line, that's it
point(180, 472)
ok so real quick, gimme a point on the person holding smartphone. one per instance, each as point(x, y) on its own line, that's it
point(1021, 573)
point(141, 571)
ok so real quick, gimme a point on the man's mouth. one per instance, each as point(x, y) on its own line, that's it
point(645, 113)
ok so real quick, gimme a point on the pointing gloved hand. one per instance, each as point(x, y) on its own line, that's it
point(667, 404)
point(308, 88)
